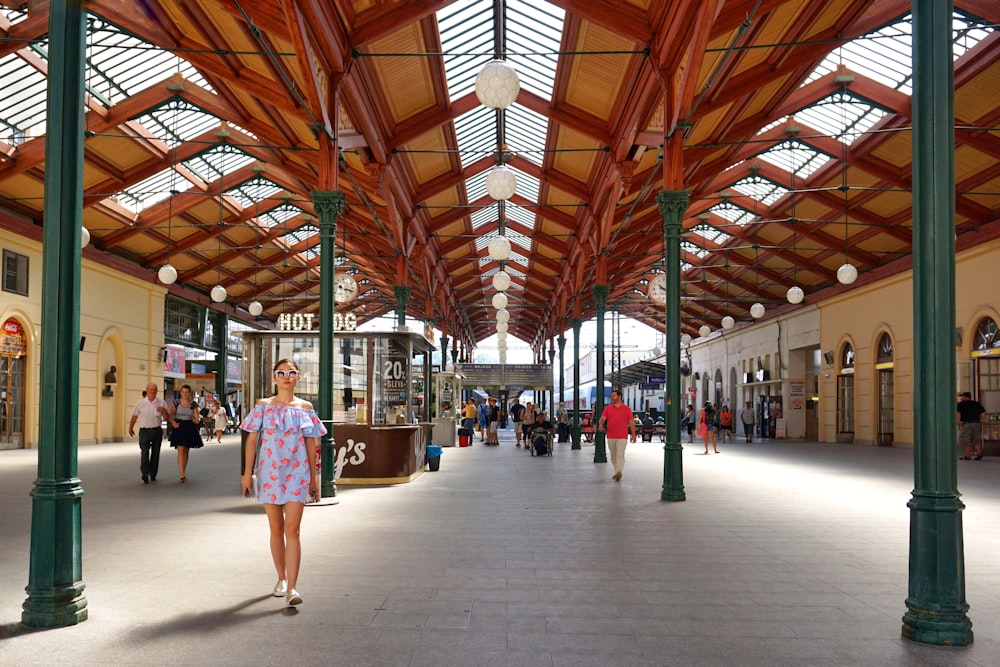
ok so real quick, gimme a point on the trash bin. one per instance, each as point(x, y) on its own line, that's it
point(464, 437)
point(434, 457)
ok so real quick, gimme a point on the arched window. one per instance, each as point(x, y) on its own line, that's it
point(884, 350)
point(987, 335)
point(847, 357)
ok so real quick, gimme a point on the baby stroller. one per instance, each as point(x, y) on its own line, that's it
point(541, 441)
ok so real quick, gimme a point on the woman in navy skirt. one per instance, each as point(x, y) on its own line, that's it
point(186, 424)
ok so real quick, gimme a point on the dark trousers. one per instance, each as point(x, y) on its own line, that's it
point(149, 446)
point(563, 431)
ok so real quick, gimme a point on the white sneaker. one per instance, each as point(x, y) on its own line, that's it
point(293, 597)
point(280, 588)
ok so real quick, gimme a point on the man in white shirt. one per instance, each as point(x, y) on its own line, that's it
point(149, 412)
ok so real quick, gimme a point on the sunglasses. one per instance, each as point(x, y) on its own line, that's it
point(281, 375)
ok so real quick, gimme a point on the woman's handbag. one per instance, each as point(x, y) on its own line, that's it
point(702, 430)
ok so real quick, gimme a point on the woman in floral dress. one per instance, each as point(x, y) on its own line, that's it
point(282, 437)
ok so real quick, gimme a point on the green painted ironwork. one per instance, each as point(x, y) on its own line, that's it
point(937, 611)
point(402, 293)
point(600, 303)
point(329, 205)
point(673, 204)
point(576, 322)
point(55, 575)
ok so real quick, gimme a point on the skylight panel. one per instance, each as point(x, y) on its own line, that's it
point(466, 30)
point(526, 131)
point(300, 235)
point(151, 190)
point(120, 65)
point(217, 162)
point(733, 213)
point(475, 186)
point(886, 55)
point(795, 158)
point(761, 189)
point(252, 192)
point(483, 216)
point(279, 215)
point(692, 249)
point(711, 233)
point(22, 105)
point(534, 33)
point(841, 116)
point(518, 239)
point(13, 15)
point(527, 185)
point(520, 215)
point(476, 134)
point(517, 258)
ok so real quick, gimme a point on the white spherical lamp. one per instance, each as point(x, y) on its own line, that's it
point(219, 294)
point(502, 327)
point(795, 295)
point(686, 339)
point(501, 183)
point(500, 301)
point(497, 85)
point(255, 308)
point(84, 237)
point(757, 311)
point(167, 274)
point(728, 322)
point(499, 248)
point(503, 316)
point(847, 274)
point(501, 281)
point(704, 331)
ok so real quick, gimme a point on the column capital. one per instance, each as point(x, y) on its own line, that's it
point(562, 344)
point(329, 204)
point(576, 323)
point(672, 201)
point(601, 293)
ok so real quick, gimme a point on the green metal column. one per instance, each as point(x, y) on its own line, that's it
point(222, 358)
point(552, 394)
point(672, 204)
point(937, 612)
point(600, 303)
point(329, 205)
point(402, 293)
point(55, 574)
point(444, 355)
point(562, 365)
point(577, 323)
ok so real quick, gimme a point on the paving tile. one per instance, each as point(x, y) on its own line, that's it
point(505, 562)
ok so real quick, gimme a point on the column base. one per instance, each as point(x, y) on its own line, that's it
point(944, 626)
point(600, 448)
point(54, 607)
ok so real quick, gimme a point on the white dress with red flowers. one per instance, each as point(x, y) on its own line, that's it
point(282, 458)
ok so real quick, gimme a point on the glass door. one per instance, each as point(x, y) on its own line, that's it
point(845, 408)
point(885, 408)
point(11, 402)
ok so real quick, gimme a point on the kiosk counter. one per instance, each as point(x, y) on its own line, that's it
point(381, 384)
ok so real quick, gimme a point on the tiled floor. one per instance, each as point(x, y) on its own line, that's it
point(784, 553)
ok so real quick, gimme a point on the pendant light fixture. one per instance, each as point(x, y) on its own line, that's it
point(757, 309)
point(219, 292)
point(167, 274)
point(847, 273)
point(794, 295)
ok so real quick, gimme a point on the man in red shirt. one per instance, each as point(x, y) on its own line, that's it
point(617, 420)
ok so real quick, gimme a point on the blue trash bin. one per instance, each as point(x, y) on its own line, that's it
point(434, 457)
